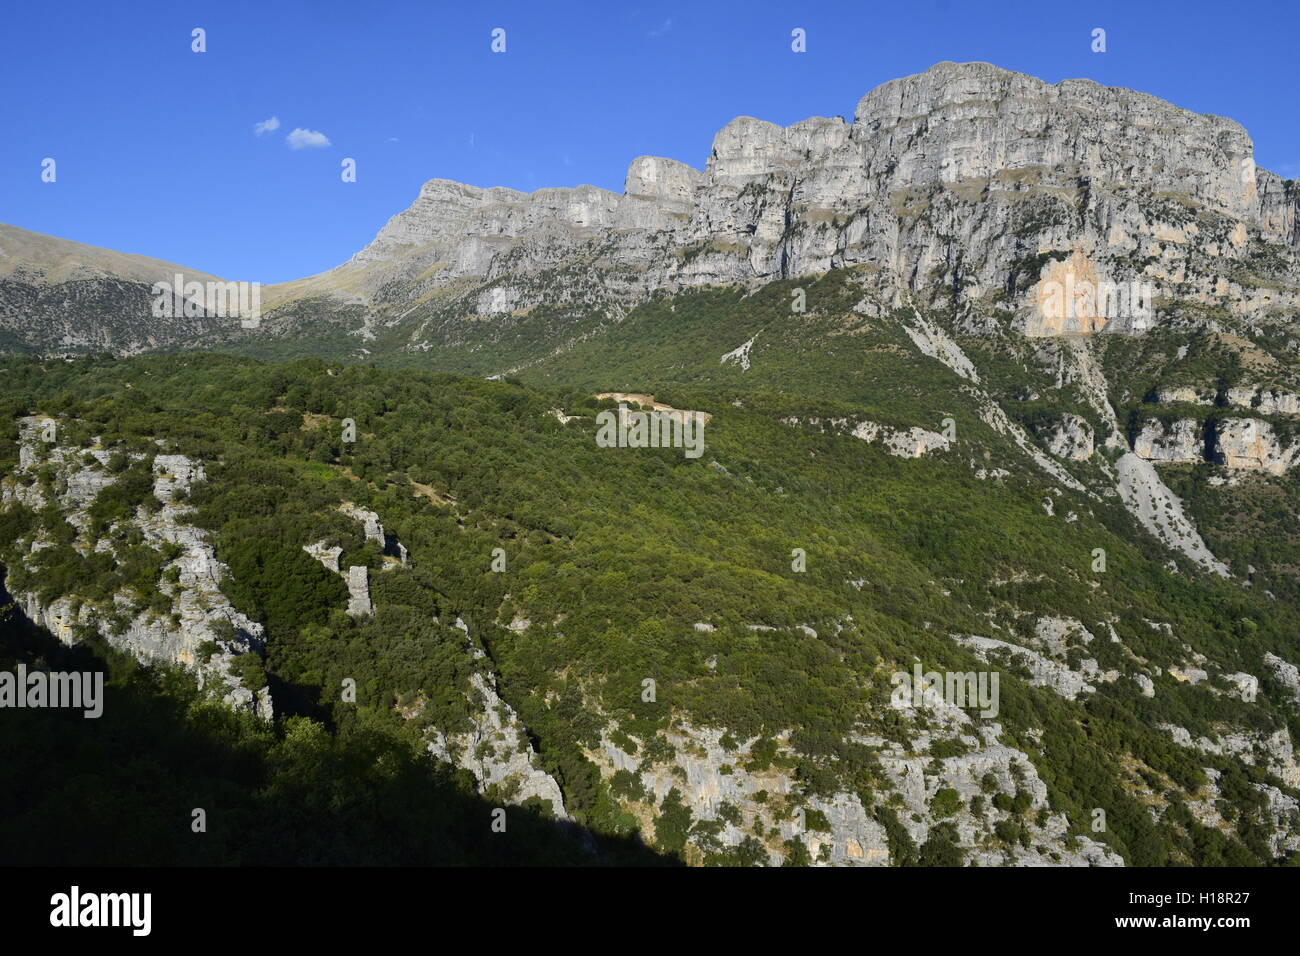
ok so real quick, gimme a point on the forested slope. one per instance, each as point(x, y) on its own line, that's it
point(696, 650)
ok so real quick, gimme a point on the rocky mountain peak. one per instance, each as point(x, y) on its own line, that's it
point(959, 121)
point(965, 179)
point(964, 185)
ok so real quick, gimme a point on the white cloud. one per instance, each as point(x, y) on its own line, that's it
point(306, 139)
point(662, 29)
point(267, 126)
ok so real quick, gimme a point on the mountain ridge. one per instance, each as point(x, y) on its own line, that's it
point(934, 444)
point(456, 230)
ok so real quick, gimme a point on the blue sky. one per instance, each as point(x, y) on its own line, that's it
point(157, 153)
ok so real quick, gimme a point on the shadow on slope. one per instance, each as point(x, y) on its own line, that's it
point(122, 789)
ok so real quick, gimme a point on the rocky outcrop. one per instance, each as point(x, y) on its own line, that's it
point(715, 782)
point(374, 531)
point(962, 185)
point(1043, 671)
point(735, 799)
point(1244, 686)
point(910, 443)
point(990, 767)
point(357, 577)
point(1252, 445)
point(1072, 439)
point(200, 613)
point(1269, 401)
point(1286, 674)
point(900, 442)
point(965, 179)
point(496, 749)
point(372, 527)
point(1058, 634)
point(1282, 812)
point(1185, 395)
point(930, 339)
point(1136, 480)
point(358, 580)
point(997, 419)
point(1239, 444)
point(1272, 751)
point(740, 354)
point(1181, 443)
point(174, 473)
point(326, 555)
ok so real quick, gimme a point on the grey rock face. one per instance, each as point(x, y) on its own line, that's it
point(200, 612)
point(374, 530)
point(1245, 686)
point(496, 749)
point(1161, 511)
point(1287, 674)
point(357, 577)
point(1269, 401)
point(854, 839)
point(1252, 445)
point(373, 527)
point(1072, 439)
point(1240, 444)
point(1273, 751)
point(1180, 444)
point(1283, 812)
point(709, 776)
point(902, 443)
point(1058, 634)
point(359, 591)
point(964, 184)
point(918, 778)
point(175, 473)
point(327, 556)
point(965, 176)
point(1044, 671)
point(1186, 395)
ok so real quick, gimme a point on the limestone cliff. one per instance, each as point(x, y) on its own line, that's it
point(199, 613)
point(966, 181)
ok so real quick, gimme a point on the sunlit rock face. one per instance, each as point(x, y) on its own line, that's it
point(1251, 444)
point(1181, 443)
point(1080, 207)
point(1246, 444)
point(1269, 401)
point(1077, 208)
point(963, 185)
point(1074, 298)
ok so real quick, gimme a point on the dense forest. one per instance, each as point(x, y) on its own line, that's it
point(612, 557)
